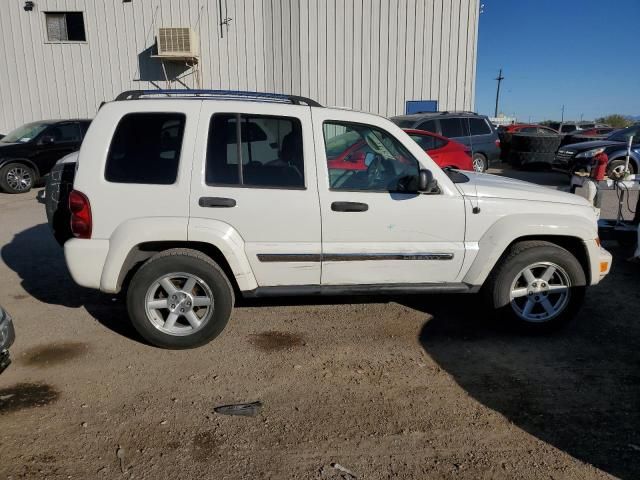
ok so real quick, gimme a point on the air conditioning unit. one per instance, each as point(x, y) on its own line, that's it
point(177, 43)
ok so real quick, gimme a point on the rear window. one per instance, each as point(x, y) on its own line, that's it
point(403, 123)
point(427, 142)
point(146, 149)
point(428, 126)
point(255, 151)
point(478, 126)
point(567, 128)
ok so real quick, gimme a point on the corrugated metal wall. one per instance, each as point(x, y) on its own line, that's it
point(370, 55)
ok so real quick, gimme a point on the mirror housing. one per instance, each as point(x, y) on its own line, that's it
point(426, 182)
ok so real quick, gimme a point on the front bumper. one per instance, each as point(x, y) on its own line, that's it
point(7, 337)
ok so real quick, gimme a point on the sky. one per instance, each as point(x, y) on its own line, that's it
point(584, 54)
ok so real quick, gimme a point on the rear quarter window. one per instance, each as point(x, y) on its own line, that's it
point(145, 149)
point(479, 126)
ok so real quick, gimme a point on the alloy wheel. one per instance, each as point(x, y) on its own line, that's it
point(540, 292)
point(19, 179)
point(179, 304)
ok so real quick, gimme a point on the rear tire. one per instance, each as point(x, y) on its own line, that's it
point(480, 163)
point(180, 299)
point(538, 287)
point(16, 178)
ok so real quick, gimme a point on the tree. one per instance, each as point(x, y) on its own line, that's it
point(615, 120)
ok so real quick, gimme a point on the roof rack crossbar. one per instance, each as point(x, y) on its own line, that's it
point(234, 94)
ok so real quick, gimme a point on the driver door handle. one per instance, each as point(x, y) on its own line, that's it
point(349, 207)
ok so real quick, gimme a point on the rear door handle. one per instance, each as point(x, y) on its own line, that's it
point(216, 202)
point(349, 207)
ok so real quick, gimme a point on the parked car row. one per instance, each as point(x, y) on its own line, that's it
point(474, 131)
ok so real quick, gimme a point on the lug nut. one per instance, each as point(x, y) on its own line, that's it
point(544, 285)
point(188, 304)
point(182, 310)
point(173, 306)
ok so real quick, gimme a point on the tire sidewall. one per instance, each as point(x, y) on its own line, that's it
point(4, 184)
point(211, 274)
point(504, 280)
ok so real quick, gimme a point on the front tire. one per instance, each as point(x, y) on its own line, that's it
point(615, 169)
point(537, 287)
point(180, 299)
point(16, 178)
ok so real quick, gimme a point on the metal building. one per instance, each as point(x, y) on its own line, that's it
point(61, 58)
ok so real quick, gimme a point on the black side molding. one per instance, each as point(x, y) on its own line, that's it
point(216, 202)
point(372, 289)
point(349, 207)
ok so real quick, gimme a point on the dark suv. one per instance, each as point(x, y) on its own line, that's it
point(29, 152)
point(473, 130)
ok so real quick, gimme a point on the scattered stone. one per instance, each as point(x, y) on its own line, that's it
point(84, 424)
point(163, 422)
point(348, 473)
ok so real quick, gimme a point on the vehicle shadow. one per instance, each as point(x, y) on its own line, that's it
point(578, 389)
point(39, 262)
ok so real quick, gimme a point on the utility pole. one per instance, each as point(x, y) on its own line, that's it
point(499, 79)
point(562, 120)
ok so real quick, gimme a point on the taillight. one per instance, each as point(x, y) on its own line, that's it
point(80, 214)
point(497, 143)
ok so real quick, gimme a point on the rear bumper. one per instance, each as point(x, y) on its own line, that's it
point(85, 260)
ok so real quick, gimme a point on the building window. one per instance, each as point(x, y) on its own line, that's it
point(65, 27)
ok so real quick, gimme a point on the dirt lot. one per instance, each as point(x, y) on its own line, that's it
point(419, 387)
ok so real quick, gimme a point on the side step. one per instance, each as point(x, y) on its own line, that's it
point(373, 289)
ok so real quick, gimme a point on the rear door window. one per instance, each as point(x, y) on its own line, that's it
point(479, 126)
point(452, 127)
point(255, 151)
point(146, 149)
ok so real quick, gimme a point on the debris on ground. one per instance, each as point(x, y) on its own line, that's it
point(120, 455)
point(240, 409)
point(348, 474)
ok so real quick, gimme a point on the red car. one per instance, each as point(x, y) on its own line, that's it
point(528, 128)
point(443, 151)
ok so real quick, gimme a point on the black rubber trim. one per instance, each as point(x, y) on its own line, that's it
point(349, 257)
point(373, 289)
point(216, 202)
point(349, 207)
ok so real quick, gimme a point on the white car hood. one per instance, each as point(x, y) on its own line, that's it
point(484, 185)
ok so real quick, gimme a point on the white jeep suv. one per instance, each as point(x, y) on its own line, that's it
point(187, 198)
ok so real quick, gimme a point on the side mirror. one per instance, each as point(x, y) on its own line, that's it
point(426, 182)
point(46, 140)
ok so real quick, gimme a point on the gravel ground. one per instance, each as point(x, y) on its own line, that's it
point(414, 387)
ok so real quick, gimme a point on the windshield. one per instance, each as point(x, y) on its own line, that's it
point(623, 135)
point(25, 133)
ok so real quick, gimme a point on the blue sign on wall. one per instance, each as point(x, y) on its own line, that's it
point(420, 106)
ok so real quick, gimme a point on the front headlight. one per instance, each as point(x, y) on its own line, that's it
point(590, 153)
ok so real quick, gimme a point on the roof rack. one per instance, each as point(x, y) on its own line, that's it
point(226, 94)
